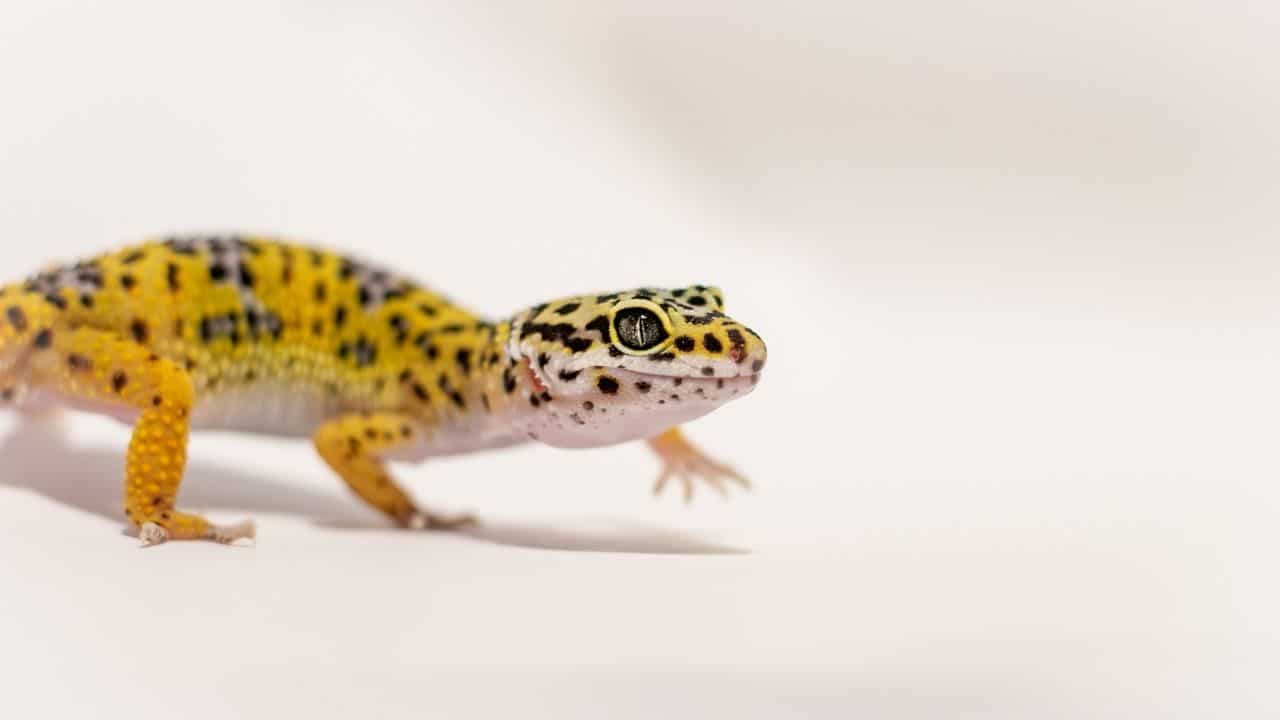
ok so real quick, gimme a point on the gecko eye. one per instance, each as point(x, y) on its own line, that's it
point(639, 328)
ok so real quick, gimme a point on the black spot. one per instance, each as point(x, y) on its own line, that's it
point(44, 339)
point(684, 343)
point(218, 272)
point(712, 343)
point(534, 401)
point(138, 328)
point(246, 277)
point(546, 396)
point(431, 351)
point(405, 431)
point(720, 384)
point(133, 257)
point(579, 344)
point(346, 269)
point(56, 300)
point(567, 309)
point(588, 405)
point(181, 247)
point(697, 300)
point(340, 316)
point(86, 300)
point(464, 360)
point(508, 381)
point(91, 277)
point(118, 381)
point(457, 399)
point(17, 318)
point(320, 291)
point(344, 350)
point(127, 281)
point(233, 333)
point(420, 391)
point(174, 283)
point(663, 357)
point(363, 295)
point(708, 371)
point(601, 325)
point(607, 385)
point(427, 310)
point(559, 332)
point(643, 386)
point(366, 353)
point(78, 362)
point(400, 326)
point(606, 298)
point(678, 382)
point(756, 366)
point(569, 375)
point(678, 293)
point(737, 341)
point(317, 327)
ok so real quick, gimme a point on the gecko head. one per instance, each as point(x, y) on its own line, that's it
point(628, 365)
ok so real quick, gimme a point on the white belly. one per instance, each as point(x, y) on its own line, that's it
point(266, 409)
point(296, 411)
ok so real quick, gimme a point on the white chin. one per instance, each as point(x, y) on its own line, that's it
point(643, 406)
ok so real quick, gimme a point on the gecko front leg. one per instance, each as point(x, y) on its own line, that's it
point(687, 462)
point(355, 447)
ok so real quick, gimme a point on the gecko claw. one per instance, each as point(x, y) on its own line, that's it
point(152, 534)
point(427, 521)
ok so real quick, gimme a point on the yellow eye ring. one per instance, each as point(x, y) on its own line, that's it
point(639, 327)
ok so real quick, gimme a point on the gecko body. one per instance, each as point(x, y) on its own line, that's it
point(258, 335)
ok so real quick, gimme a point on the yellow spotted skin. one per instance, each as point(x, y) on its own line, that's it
point(260, 335)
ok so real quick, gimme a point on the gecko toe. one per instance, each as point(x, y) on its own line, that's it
point(152, 534)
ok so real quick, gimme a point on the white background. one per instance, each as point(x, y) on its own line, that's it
point(1016, 263)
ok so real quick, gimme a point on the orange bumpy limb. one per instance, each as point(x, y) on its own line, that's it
point(353, 446)
point(99, 366)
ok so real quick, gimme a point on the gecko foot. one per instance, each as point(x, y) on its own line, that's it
point(427, 521)
point(153, 533)
point(687, 463)
point(227, 534)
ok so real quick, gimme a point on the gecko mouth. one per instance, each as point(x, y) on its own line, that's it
point(624, 383)
point(651, 388)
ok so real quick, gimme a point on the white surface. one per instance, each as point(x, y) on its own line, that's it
point(1016, 262)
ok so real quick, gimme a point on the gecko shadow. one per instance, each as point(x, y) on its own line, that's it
point(36, 457)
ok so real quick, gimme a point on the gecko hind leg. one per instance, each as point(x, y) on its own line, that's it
point(354, 446)
point(102, 368)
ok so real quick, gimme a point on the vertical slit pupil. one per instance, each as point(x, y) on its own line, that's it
point(639, 329)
